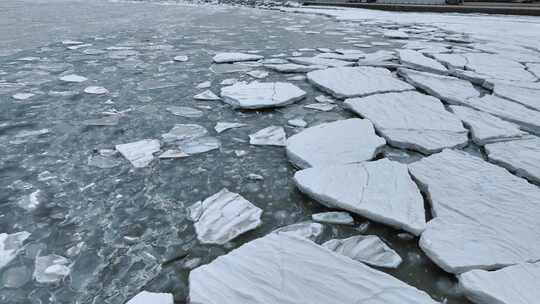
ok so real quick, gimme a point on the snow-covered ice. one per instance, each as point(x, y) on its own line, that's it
point(520, 156)
point(257, 95)
point(97, 90)
point(73, 78)
point(308, 230)
point(523, 93)
point(206, 95)
point(411, 120)
point(269, 136)
point(319, 61)
point(235, 57)
point(325, 107)
point(145, 297)
point(417, 60)
point(381, 190)
point(333, 217)
point(181, 58)
point(291, 264)
point(293, 67)
point(340, 142)
point(486, 128)
point(356, 81)
point(484, 217)
point(369, 249)
point(395, 34)
point(224, 216)
point(22, 96)
point(139, 153)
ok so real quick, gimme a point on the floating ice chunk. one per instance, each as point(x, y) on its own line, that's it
point(51, 268)
point(224, 126)
point(257, 95)
point(31, 201)
point(324, 99)
point(255, 177)
point(24, 133)
point(411, 120)
point(235, 57)
point(204, 85)
point(258, 74)
point(269, 136)
point(497, 67)
point(229, 81)
point(340, 142)
point(356, 81)
point(395, 34)
point(145, 297)
point(22, 96)
point(173, 154)
point(325, 107)
point(185, 111)
point(335, 217)
point(184, 132)
point(416, 60)
point(10, 245)
point(297, 122)
point(525, 94)
point(73, 78)
point(369, 249)
point(379, 58)
point(96, 90)
point(294, 68)
point(486, 128)
point(525, 118)
point(318, 61)
point(274, 61)
point(308, 230)
point(521, 156)
point(72, 42)
point(139, 153)
point(206, 95)
point(479, 222)
point(224, 216)
point(199, 145)
point(381, 191)
point(273, 269)
point(181, 58)
point(517, 284)
point(80, 46)
point(449, 89)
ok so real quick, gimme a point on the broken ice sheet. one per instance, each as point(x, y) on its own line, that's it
point(10, 245)
point(257, 95)
point(334, 217)
point(224, 126)
point(96, 90)
point(206, 95)
point(269, 136)
point(199, 145)
point(184, 132)
point(73, 78)
point(369, 249)
point(325, 107)
point(308, 230)
point(223, 216)
point(51, 268)
point(185, 111)
point(139, 153)
point(145, 297)
point(235, 57)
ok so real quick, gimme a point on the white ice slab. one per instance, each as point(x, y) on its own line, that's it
point(519, 156)
point(259, 74)
point(284, 269)
point(411, 120)
point(484, 217)
point(449, 89)
point(380, 190)
point(395, 34)
point(257, 95)
point(10, 245)
point(181, 58)
point(139, 153)
point(525, 118)
point(73, 78)
point(379, 58)
point(308, 230)
point(199, 145)
point(145, 297)
point(96, 90)
point(525, 94)
point(340, 142)
point(417, 60)
point(333, 217)
point(224, 126)
point(516, 284)
point(224, 216)
point(356, 81)
point(206, 95)
point(235, 57)
point(269, 136)
point(22, 96)
point(369, 249)
point(294, 68)
point(319, 61)
point(454, 61)
point(486, 128)
point(497, 67)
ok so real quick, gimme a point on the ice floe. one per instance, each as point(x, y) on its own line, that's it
point(411, 120)
point(517, 284)
point(51, 268)
point(380, 190)
point(369, 249)
point(185, 111)
point(497, 67)
point(475, 205)
point(333, 217)
point(520, 156)
point(96, 90)
point(417, 60)
point(10, 245)
point(73, 78)
point(181, 58)
point(145, 297)
point(257, 95)
point(291, 264)
point(224, 126)
point(139, 153)
point(319, 61)
point(395, 34)
point(308, 230)
point(325, 107)
point(293, 67)
point(269, 136)
point(297, 122)
point(525, 94)
point(223, 216)
point(340, 142)
point(199, 145)
point(486, 128)
point(206, 95)
point(449, 89)
point(184, 132)
point(235, 57)
point(173, 153)
point(22, 96)
point(258, 74)
point(356, 81)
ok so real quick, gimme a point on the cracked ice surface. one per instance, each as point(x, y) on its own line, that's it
point(521, 156)
point(411, 120)
point(380, 190)
point(475, 205)
point(340, 142)
point(291, 264)
point(356, 81)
